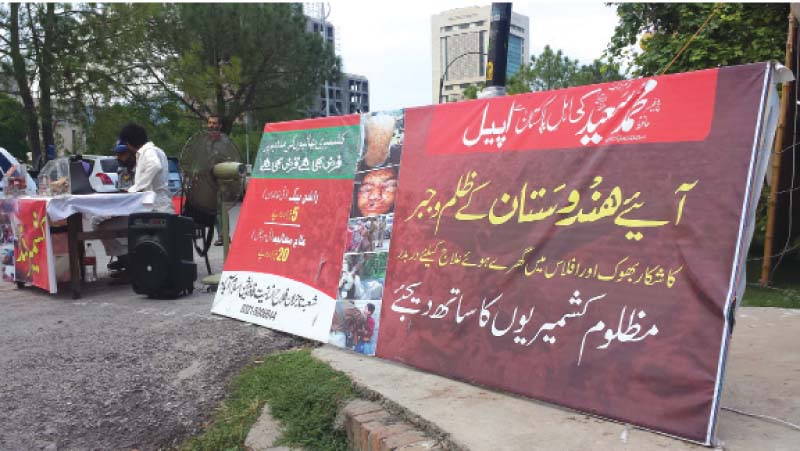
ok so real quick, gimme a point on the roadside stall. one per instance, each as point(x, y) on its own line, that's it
point(35, 228)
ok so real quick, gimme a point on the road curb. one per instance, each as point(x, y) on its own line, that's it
point(370, 427)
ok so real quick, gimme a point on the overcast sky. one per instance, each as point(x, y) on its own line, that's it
point(390, 42)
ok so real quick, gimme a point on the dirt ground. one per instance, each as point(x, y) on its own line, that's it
point(115, 370)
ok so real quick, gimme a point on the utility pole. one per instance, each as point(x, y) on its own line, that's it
point(777, 150)
point(499, 29)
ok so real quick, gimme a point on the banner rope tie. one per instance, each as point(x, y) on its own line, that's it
point(680, 52)
point(763, 417)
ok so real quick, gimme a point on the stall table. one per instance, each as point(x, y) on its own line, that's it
point(72, 208)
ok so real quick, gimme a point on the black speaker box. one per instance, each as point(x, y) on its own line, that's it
point(161, 255)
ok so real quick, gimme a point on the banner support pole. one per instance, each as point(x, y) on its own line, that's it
point(777, 151)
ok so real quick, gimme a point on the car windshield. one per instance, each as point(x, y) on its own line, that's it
point(173, 166)
point(5, 165)
point(109, 165)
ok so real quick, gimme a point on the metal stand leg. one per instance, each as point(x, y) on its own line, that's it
point(74, 227)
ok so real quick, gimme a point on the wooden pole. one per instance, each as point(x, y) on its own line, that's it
point(777, 150)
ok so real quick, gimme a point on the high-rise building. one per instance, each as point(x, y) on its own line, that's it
point(349, 94)
point(460, 44)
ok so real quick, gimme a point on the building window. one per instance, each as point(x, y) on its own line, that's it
point(482, 60)
point(514, 55)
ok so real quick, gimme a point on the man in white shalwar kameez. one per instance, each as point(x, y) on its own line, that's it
point(151, 174)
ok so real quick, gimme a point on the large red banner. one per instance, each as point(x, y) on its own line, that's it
point(597, 275)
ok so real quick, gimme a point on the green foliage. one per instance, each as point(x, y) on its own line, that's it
point(167, 126)
point(739, 33)
point(229, 59)
point(303, 393)
point(12, 127)
point(554, 70)
point(240, 137)
point(170, 65)
point(785, 289)
point(471, 91)
point(375, 265)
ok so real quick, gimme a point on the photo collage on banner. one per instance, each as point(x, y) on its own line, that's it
point(356, 321)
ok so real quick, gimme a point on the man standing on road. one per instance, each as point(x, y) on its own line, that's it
point(151, 174)
point(213, 126)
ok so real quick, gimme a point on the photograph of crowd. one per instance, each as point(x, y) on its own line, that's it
point(369, 234)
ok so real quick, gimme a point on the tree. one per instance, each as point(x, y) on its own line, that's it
point(598, 72)
point(12, 127)
point(229, 59)
point(554, 70)
point(738, 33)
point(550, 70)
point(45, 41)
point(21, 72)
point(471, 91)
point(167, 125)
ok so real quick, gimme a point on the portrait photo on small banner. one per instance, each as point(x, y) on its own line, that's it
point(356, 320)
point(7, 240)
point(374, 192)
point(371, 234)
point(383, 140)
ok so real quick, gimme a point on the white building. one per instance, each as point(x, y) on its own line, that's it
point(348, 95)
point(458, 36)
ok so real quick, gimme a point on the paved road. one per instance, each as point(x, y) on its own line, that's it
point(115, 370)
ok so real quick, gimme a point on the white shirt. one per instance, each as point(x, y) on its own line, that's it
point(152, 173)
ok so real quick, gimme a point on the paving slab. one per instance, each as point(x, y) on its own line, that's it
point(762, 377)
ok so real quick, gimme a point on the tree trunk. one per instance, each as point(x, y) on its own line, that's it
point(225, 121)
point(46, 76)
point(21, 77)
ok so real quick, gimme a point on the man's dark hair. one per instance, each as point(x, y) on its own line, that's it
point(371, 307)
point(133, 134)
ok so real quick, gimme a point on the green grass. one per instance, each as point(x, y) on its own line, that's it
point(303, 393)
point(784, 290)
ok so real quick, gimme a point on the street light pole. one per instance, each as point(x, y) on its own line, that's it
point(499, 29)
point(444, 73)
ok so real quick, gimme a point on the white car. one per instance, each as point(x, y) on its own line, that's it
point(174, 178)
point(103, 176)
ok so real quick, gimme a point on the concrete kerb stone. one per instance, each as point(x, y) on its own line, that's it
point(380, 433)
point(370, 427)
point(406, 439)
point(440, 437)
